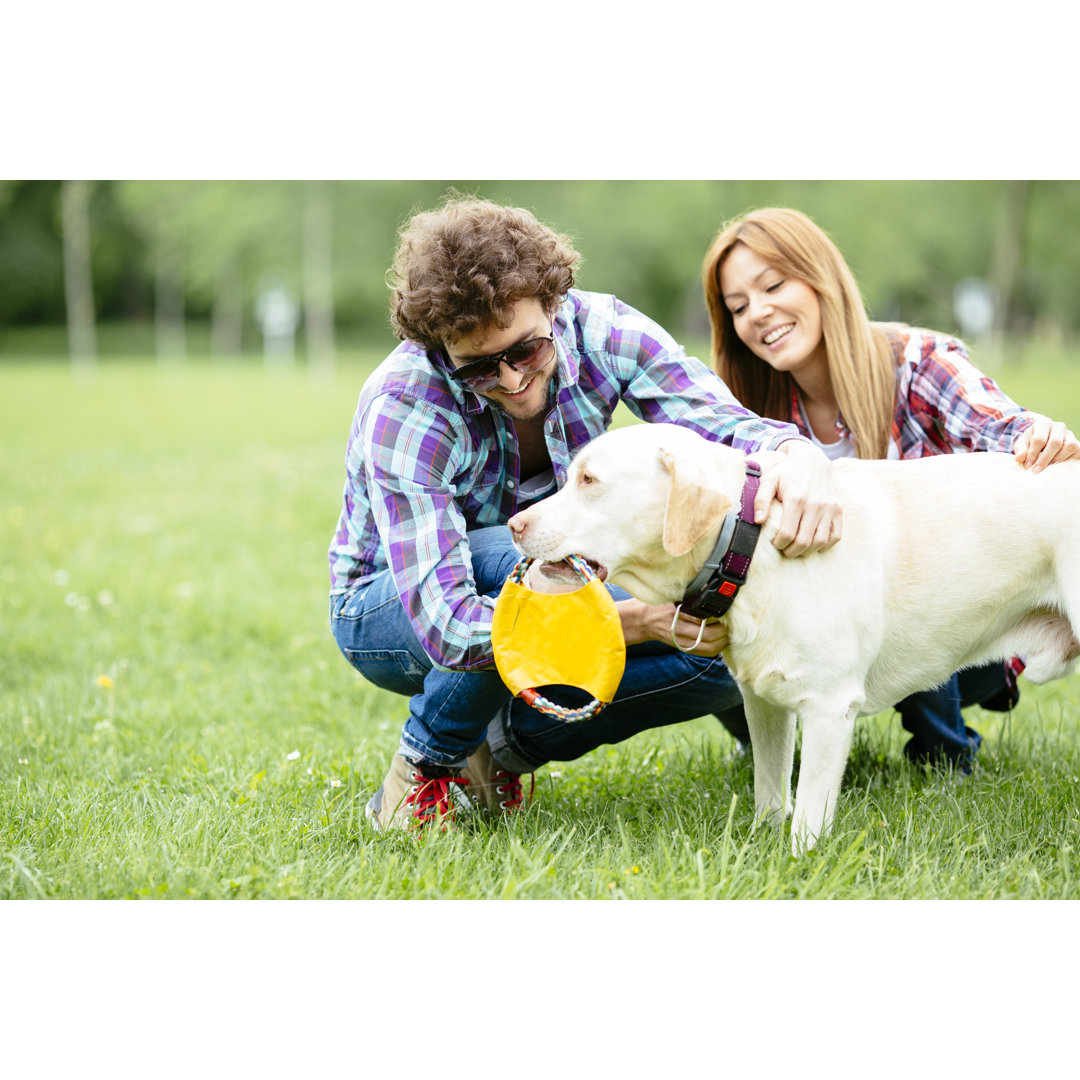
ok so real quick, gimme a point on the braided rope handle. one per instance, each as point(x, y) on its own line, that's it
point(532, 696)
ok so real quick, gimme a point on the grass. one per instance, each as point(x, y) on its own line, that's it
point(175, 720)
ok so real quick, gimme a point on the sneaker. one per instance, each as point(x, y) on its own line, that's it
point(414, 795)
point(493, 788)
point(959, 765)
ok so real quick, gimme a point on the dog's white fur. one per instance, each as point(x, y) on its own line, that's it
point(945, 562)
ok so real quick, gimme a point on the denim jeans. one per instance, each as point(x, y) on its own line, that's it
point(933, 717)
point(449, 711)
point(936, 723)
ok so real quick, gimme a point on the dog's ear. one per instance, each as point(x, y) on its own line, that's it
point(692, 510)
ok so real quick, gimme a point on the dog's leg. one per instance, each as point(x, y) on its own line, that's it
point(826, 741)
point(1049, 638)
point(1048, 642)
point(772, 736)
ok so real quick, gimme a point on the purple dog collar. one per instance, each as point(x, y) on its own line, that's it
point(713, 591)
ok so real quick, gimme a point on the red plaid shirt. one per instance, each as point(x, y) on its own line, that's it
point(944, 404)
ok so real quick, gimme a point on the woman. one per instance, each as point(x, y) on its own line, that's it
point(792, 340)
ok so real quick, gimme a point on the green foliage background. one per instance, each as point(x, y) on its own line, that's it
point(908, 242)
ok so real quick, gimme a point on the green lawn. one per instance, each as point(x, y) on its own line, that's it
point(175, 720)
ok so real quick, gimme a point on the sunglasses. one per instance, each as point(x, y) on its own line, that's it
point(526, 357)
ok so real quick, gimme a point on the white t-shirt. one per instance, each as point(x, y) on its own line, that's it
point(536, 487)
point(844, 446)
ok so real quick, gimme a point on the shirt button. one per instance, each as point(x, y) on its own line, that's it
point(510, 484)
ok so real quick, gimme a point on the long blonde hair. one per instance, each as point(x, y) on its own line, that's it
point(859, 353)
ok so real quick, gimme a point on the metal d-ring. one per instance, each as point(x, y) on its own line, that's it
point(700, 633)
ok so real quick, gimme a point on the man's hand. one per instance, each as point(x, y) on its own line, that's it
point(812, 518)
point(653, 622)
point(1045, 443)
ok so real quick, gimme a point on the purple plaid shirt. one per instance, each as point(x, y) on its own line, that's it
point(944, 404)
point(428, 460)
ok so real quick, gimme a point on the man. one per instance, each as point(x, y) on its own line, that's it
point(505, 370)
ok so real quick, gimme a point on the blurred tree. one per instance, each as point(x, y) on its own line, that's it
point(78, 285)
point(367, 217)
point(213, 241)
point(169, 325)
point(31, 253)
point(1005, 264)
point(159, 208)
point(1046, 296)
point(318, 276)
point(202, 250)
point(907, 242)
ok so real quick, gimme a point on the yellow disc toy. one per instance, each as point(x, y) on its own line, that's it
point(564, 639)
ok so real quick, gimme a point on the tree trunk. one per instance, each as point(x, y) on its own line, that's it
point(169, 332)
point(78, 287)
point(318, 278)
point(227, 320)
point(1005, 268)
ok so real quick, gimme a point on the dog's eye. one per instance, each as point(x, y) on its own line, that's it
point(585, 478)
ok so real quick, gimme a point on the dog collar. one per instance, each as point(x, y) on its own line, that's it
point(713, 591)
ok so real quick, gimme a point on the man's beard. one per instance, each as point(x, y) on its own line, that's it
point(542, 410)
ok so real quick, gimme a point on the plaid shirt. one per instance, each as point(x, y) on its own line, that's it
point(428, 460)
point(944, 404)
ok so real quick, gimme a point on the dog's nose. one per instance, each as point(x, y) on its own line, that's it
point(517, 526)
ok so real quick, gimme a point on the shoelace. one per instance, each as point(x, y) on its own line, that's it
point(508, 784)
point(434, 797)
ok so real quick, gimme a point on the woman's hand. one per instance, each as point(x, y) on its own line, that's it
point(653, 622)
point(802, 483)
point(1046, 442)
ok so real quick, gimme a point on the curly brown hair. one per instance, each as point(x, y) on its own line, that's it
point(463, 267)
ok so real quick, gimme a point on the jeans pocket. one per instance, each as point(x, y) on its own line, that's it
point(373, 633)
point(391, 669)
point(350, 605)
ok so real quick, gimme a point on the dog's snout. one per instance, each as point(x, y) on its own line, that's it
point(517, 525)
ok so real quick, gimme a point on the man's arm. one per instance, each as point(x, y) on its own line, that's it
point(408, 453)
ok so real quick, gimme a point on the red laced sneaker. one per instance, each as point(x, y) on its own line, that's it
point(508, 789)
point(413, 796)
point(495, 789)
point(436, 796)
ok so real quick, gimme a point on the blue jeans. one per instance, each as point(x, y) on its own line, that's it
point(933, 717)
point(936, 724)
point(449, 711)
